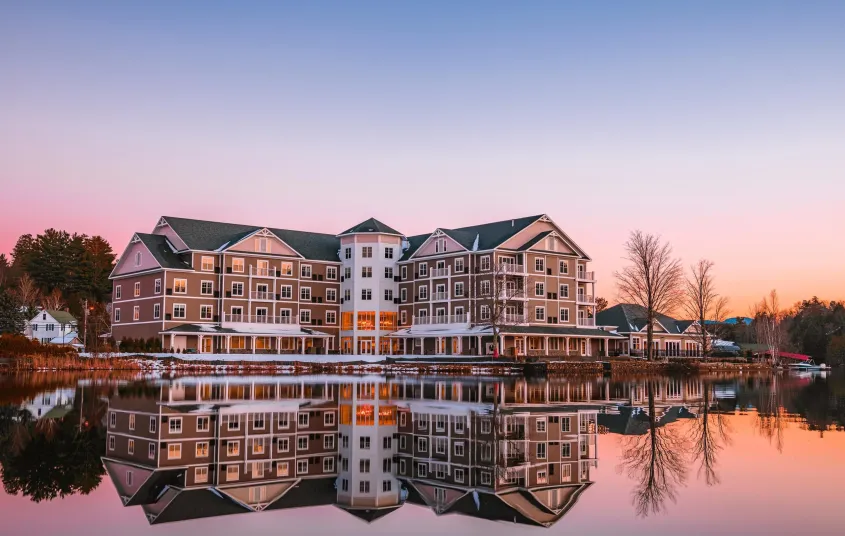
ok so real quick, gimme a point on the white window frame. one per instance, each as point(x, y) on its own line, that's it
point(460, 265)
point(137, 289)
point(157, 286)
point(176, 284)
point(203, 263)
point(206, 308)
point(209, 285)
point(540, 264)
point(539, 313)
point(305, 271)
point(184, 309)
point(136, 313)
point(156, 311)
point(305, 294)
point(174, 429)
point(484, 263)
point(331, 318)
point(174, 451)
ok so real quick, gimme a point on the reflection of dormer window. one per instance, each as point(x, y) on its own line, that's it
point(137, 258)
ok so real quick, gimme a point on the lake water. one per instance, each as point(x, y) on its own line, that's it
point(721, 454)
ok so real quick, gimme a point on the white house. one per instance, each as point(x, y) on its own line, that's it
point(49, 325)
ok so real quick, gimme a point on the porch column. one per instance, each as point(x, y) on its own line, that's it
point(302, 350)
point(546, 346)
point(501, 344)
point(253, 344)
point(172, 341)
point(278, 345)
point(525, 345)
point(480, 352)
point(607, 348)
point(566, 345)
point(199, 344)
point(228, 343)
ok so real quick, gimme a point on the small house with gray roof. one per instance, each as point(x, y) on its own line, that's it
point(671, 337)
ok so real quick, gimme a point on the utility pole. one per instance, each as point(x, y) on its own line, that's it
point(85, 325)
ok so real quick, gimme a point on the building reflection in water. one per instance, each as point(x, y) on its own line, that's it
point(206, 447)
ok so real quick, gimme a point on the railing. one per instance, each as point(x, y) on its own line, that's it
point(512, 294)
point(440, 296)
point(440, 272)
point(438, 320)
point(587, 322)
point(510, 268)
point(666, 353)
point(514, 318)
point(262, 272)
point(261, 295)
point(584, 275)
point(257, 319)
point(514, 433)
point(585, 298)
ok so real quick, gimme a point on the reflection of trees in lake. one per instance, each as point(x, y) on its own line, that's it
point(709, 434)
point(772, 416)
point(655, 461)
point(49, 457)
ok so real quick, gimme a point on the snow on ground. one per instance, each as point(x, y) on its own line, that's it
point(258, 358)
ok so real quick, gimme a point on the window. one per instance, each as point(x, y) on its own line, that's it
point(422, 444)
point(564, 291)
point(364, 486)
point(117, 314)
point(151, 451)
point(117, 292)
point(232, 473)
point(347, 253)
point(136, 313)
point(282, 469)
point(138, 258)
point(331, 295)
point(439, 472)
point(347, 295)
point(459, 448)
point(287, 268)
point(366, 294)
point(305, 271)
point(302, 443)
point(440, 445)
point(539, 289)
point(206, 312)
point(564, 315)
point(202, 449)
point(156, 311)
point(347, 272)
point(404, 272)
point(258, 421)
point(459, 476)
point(233, 448)
point(485, 263)
point(131, 447)
point(258, 445)
point(207, 264)
point(367, 252)
point(485, 312)
point(233, 423)
point(366, 271)
point(328, 418)
point(262, 245)
point(541, 451)
point(423, 292)
point(174, 451)
point(403, 318)
point(364, 443)
point(386, 485)
point(178, 310)
point(388, 253)
point(440, 422)
point(564, 267)
point(388, 272)
point(302, 419)
point(302, 467)
point(364, 466)
point(200, 475)
point(541, 425)
point(331, 272)
point(388, 294)
point(285, 292)
point(566, 450)
point(422, 470)
point(423, 269)
point(207, 288)
point(541, 477)
point(180, 286)
point(485, 479)
point(304, 316)
point(565, 423)
point(328, 464)
point(440, 245)
point(157, 286)
point(305, 294)
point(459, 265)
point(540, 314)
point(137, 288)
point(153, 425)
point(403, 295)
point(484, 288)
point(459, 289)
point(283, 445)
point(203, 424)
point(131, 421)
point(174, 425)
point(486, 426)
point(328, 442)
point(331, 317)
point(237, 289)
point(111, 442)
point(539, 264)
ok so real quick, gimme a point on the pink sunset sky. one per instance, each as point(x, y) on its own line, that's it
point(720, 130)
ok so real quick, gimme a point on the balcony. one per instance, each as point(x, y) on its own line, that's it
point(511, 268)
point(441, 321)
point(586, 322)
point(585, 299)
point(261, 295)
point(259, 323)
point(440, 296)
point(512, 294)
point(584, 275)
point(514, 318)
point(440, 272)
point(262, 272)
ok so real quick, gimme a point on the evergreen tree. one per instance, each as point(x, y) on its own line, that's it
point(12, 319)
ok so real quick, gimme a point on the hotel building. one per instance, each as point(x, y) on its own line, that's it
point(212, 287)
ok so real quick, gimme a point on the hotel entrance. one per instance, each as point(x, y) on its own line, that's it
point(366, 345)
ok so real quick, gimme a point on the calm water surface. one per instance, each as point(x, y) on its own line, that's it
point(742, 454)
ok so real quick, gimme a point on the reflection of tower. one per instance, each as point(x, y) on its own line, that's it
point(368, 311)
point(366, 485)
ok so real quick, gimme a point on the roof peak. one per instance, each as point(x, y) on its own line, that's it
point(371, 225)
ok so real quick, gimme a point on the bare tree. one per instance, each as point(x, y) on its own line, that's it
point(702, 303)
point(502, 298)
point(27, 292)
point(53, 301)
point(653, 279)
point(768, 319)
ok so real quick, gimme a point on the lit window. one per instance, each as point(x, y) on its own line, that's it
point(207, 264)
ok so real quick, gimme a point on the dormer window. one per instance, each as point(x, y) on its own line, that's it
point(440, 245)
point(262, 245)
point(137, 258)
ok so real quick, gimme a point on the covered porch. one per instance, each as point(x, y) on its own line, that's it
point(209, 339)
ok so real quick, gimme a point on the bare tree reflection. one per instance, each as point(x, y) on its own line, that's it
point(655, 461)
point(709, 434)
point(771, 413)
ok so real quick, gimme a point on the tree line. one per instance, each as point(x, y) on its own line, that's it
point(655, 279)
point(55, 270)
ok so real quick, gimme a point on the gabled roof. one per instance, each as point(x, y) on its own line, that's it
point(369, 514)
point(211, 235)
point(534, 240)
point(489, 235)
point(371, 225)
point(631, 318)
point(182, 505)
point(414, 243)
point(163, 251)
point(62, 317)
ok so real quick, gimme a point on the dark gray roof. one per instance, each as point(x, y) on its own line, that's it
point(211, 235)
point(558, 331)
point(371, 225)
point(414, 244)
point(62, 317)
point(489, 235)
point(162, 252)
point(534, 240)
point(629, 318)
point(369, 514)
point(194, 504)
